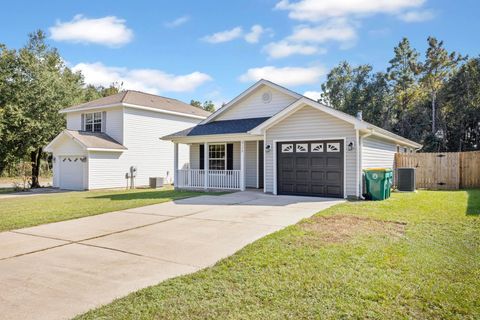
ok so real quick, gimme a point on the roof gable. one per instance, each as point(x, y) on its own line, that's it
point(357, 123)
point(280, 96)
point(300, 103)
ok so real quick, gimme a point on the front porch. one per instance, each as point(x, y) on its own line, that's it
point(232, 165)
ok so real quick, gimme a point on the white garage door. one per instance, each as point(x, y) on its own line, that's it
point(71, 173)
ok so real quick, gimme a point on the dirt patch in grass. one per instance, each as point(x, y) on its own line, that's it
point(342, 228)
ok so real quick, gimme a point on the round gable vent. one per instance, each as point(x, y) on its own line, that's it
point(267, 97)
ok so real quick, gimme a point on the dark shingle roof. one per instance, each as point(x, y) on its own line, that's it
point(142, 99)
point(220, 127)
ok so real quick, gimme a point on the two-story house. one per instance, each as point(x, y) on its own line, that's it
point(106, 137)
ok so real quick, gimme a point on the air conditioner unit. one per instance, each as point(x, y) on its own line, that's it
point(406, 179)
point(156, 182)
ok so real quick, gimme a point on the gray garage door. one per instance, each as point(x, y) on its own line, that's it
point(310, 168)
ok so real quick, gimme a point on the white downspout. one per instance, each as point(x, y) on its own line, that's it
point(360, 163)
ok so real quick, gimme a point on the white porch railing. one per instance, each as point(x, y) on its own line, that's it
point(217, 179)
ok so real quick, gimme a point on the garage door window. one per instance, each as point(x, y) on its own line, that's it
point(302, 147)
point(317, 147)
point(333, 147)
point(287, 148)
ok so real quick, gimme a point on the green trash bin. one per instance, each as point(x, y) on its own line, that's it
point(378, 182)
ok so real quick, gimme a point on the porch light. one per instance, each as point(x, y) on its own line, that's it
point(268, 147)
point(350, 146)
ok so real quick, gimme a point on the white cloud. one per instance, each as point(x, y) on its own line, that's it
point(109, 31)
point(305, 39)
point(224, 36)
point(382, 32)
point(316, 10)
point(287, 76)
point(334, 30)
point(417, 16)
point(314, 95)
point(177, 22)
point(255, 33)
point(283, 48)
point(148, 80)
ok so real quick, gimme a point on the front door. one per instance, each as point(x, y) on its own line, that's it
point(260, 164)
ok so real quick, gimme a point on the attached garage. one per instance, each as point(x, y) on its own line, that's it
point(72, 170)
point(311, 168)
point(72, 154)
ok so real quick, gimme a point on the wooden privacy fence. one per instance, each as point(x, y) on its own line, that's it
point(447, 171)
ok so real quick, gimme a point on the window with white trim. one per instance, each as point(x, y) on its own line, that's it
point(93, 122)
point(217, 156)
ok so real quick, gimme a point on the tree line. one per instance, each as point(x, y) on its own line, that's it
point(434, 100)
point(35, 83)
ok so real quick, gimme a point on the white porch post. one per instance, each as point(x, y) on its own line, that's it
point(205, 165)
point(242, 165)
point(175, 164)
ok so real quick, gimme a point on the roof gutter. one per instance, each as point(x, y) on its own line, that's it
point(213, 138)
point(105, 149)
point(405, 142)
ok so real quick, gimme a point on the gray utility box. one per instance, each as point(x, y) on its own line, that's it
point(406, 179)
point(156, 182)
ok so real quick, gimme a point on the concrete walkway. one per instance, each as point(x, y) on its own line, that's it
point(59, 270)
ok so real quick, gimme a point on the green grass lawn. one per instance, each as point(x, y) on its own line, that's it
point(416, 255)
point(26, 211)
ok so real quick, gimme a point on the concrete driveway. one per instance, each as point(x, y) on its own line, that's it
point(58, 270)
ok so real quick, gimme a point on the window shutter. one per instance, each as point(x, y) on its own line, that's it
point(104, 121)
point(230, 156)
point(82, 125)
point(202, 157)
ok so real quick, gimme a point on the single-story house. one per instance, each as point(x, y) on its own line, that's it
point(108, 138)
point(274, 139)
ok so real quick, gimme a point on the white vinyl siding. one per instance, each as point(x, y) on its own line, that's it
point(113, 118)
point(114, 124)
point(378, 153)
point(253, 106)
point(74, 121)
point(309, 123)
point(106, 170)
point(141, 136)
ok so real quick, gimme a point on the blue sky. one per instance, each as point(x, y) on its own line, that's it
point(215, 49)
